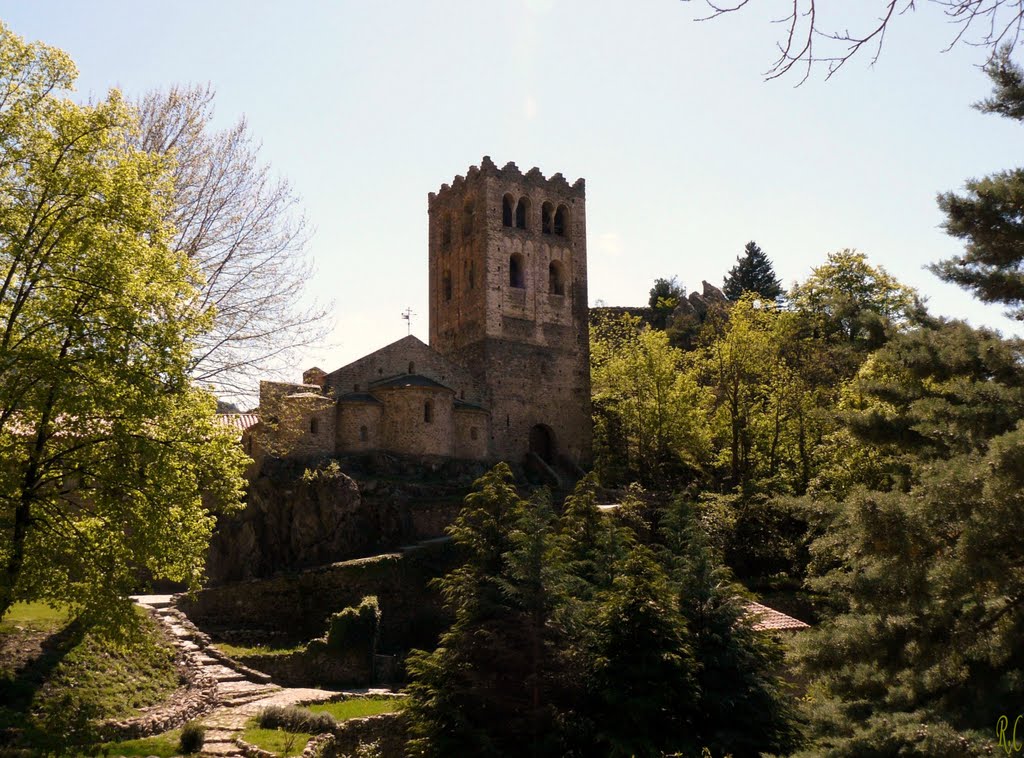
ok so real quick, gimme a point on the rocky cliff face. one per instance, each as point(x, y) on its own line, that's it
point(297, 517)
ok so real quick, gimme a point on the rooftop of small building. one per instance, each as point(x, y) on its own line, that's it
point(358, 397)
point(770, 620)
point(239, 421)
point(408, 380)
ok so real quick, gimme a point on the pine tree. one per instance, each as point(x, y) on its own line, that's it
point(989, 217)
point(753, 272)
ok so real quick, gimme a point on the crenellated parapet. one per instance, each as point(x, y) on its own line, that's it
point(510, 173)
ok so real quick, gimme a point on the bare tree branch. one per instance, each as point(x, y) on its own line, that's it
point(988, 24)
point(244, 231)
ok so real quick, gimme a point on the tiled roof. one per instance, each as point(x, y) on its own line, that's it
point(239, 421)
point(358, 397)
point(409, 380)
point(459, 403)
point(771, 620)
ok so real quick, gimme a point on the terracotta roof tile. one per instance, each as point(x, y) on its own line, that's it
point(239, 421)
point(771, 620)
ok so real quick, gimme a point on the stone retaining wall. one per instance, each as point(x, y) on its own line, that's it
point(300, 603)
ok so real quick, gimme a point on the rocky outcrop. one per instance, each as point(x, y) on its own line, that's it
point(295, 516)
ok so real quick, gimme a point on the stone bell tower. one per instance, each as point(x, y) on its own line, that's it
point(508, 300)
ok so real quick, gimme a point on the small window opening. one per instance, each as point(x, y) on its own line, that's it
point(462, 394)
point(506, 211)
point(561, 220)
point(472, 433)
point(472, 274)
point(355, 388)
point(428, 412)
point(446, 230)
point(314, 426)
point(516, 275)
point(364, 434)
point(522, 210)
point(467, 218)
point(508, 422)
point(547, 218)
point(556, 280)
point(412, 367)
point(380, 371)
point(447, 285)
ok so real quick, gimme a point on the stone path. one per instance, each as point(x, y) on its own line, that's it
point(240, 692)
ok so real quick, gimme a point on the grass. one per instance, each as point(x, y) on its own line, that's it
point(277, 740)
point(162, 745)
point(357, 707)
point(57, 679)
point(33, 616)
point(240, 651)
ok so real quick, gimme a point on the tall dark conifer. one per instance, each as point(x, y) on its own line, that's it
point(990, 216)
point(753, 272)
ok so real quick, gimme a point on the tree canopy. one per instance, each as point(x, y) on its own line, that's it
point(990, 216)
point(111, 457)
point(753, 272)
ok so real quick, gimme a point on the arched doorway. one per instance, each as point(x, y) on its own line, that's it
point(542, 443)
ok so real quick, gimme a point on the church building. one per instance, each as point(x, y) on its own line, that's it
point(506, 375)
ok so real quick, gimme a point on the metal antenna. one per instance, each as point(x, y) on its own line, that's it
point(407, 314)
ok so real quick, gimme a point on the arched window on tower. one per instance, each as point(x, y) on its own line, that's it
point(446, 230)
point(467, 217)
point(522, 211)
point(428, 412)
point(314, 425)
point(547, 213)
point(364, 434)
point(516, 274)
point(471, 278)
point(561, 220)
point(556, 278)
point(506, 211)
point(412, 367)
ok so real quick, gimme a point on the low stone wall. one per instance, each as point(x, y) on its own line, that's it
point(388, 730)
point(299, 604)
point(303, 668)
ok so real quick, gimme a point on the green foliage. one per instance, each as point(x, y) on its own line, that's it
point(293, 718)
point(570, 638)
point(665, 296)
point(113, 460)
point(754, 273)
point(988, 217)
point(742, 707)
point(193, 735)
point(646, 428)
point(351, 630)
point(919, 550)
point(852, 301)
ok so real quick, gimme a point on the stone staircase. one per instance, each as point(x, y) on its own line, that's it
point(241, 692)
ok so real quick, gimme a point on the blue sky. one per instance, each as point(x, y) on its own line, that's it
point(688, 154)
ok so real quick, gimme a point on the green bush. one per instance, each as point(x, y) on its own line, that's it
point(291, 718)
point(193, 735)
point(351, 629)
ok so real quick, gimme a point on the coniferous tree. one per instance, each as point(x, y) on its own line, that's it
point(753, 272)
point(989, 217)
point(743, 709)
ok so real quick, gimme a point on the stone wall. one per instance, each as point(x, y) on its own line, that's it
point(298, 605)
point(404, 427)
point(353, 416)
point(472, 433)
point(304, 669)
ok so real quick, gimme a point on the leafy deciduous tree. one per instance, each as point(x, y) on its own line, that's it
point(106, 445)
